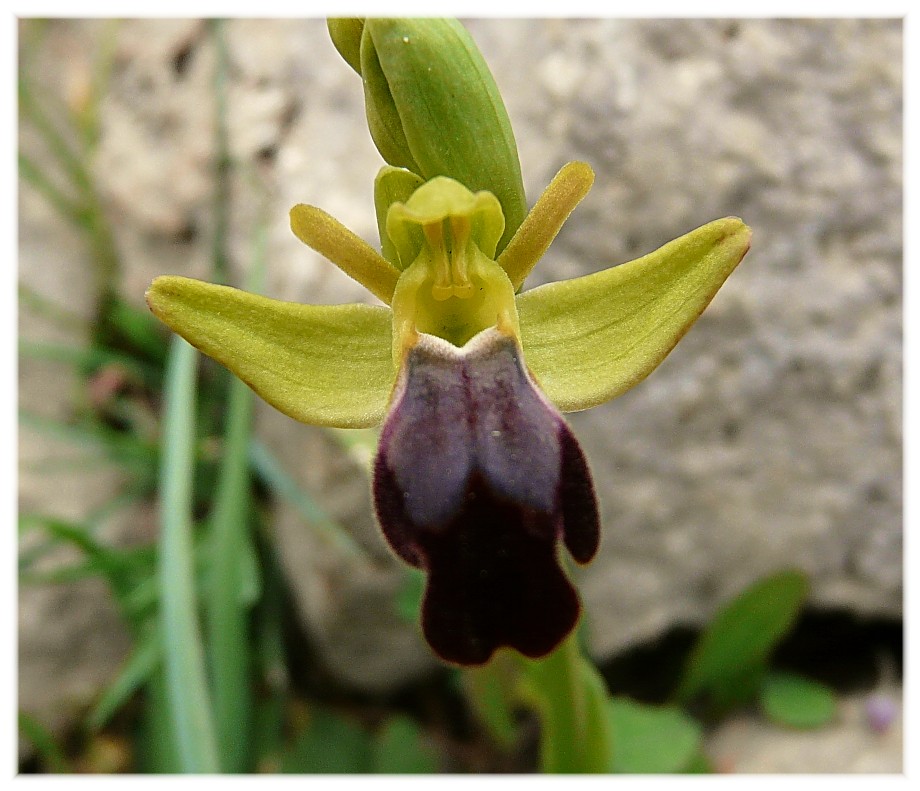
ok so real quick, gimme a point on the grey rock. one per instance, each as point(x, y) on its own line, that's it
point(771, 437)
point(70, 637)
point(749, 744)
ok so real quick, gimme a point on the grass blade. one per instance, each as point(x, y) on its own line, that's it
point(269, 469)
point(40, 305)
point(121, 447)
point(69, 208)
point(158, 752)
point(227, 612)
point(134, 673)
point(187, 691)
point(67, 155)
point(270, 714)
point(44, 743)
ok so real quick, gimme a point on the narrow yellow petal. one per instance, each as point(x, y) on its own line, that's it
point(348, 251)
point(545, 219)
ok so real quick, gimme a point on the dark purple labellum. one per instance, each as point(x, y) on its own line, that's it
point(477, 478)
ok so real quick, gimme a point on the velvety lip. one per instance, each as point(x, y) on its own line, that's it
point(476, 480)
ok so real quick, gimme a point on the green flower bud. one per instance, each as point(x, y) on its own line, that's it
point(433, 107)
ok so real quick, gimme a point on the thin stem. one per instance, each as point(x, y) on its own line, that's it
point(569, 695)
point(269, 469)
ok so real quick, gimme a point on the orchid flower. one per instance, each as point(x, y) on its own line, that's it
point(478, 480)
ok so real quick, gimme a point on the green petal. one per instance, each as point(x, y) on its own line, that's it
point(344, 248)
point(328, 365)
point(590, 339)
point(394, 185)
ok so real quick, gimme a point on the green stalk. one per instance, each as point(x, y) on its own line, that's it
point(227, 612)
point(158, 750)
point(186, 686)
point(570, 697)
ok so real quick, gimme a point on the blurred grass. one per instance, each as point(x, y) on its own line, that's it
point(213, 677)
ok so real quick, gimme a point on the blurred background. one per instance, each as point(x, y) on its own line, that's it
point(770, 439)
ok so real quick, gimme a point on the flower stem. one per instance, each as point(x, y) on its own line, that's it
point(570, 697)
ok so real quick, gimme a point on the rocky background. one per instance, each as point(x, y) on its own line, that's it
point(770, 438)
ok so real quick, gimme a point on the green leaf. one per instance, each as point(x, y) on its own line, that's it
point(329, 745)
point(346, 36)
point(733, 650)
point(382, 114)
point(227, 601)
point(270, 716)
point(434, 108)
point(592, 338)
point(651, 739)
point(326, 365)
point(400, 749)
point(699, 765)
point(109, 563)
point(736, 687)
point(158, 751)
point(788, 699)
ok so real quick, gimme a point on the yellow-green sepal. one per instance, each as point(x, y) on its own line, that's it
point(394, 185)
point(434, 108)
point(590, 339)
point(327, 365)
